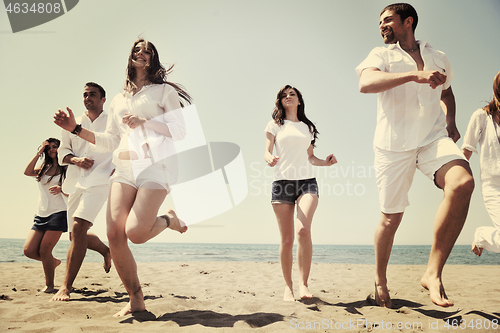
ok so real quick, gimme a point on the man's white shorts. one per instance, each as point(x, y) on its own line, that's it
point(86, 203)
point(395, 170)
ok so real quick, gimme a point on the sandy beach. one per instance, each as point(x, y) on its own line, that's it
point(246, 296)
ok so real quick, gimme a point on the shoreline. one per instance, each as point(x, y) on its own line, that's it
point(244, 296)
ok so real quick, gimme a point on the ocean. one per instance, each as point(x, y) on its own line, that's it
point(11, 250)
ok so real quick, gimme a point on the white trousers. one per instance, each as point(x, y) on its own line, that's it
point(489, 237)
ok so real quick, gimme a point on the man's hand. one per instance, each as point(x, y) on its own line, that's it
point(65, 121)
point(434, 78)
point(82, 162)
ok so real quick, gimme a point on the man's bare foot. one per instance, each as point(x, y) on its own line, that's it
point(304, 292)
point(382, 297)
point(61, 295)
point(174, 223)
point(476, 249)
point(107, 262)
point(288, 295)
point(128, 309)
point(48, 290)
point(436, 290)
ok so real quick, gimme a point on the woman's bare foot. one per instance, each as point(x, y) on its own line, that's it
point(174, 223)
point(382, 297)
point(476, 249)
point(128, 309)
point(436, 290)
point(304, 292)
point(107, 262)
point(61, 295)
point(48, 290)
point(288, 295)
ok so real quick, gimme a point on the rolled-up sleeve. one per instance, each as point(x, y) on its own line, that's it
point(65, 148)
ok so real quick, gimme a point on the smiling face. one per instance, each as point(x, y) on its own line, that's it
point(51, 150)
point(391, 27)
point(141, 56)
point(289, 99)
point(92, 99)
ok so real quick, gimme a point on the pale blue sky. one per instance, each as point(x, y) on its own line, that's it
point(233, 57)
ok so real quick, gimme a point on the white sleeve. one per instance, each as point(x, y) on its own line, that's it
point(375, 59)
point(110, 138)
point(173, 113)
point(272, 128)
point(65, 148)
point(475, 130)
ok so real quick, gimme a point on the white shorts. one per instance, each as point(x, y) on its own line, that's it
point(86, 203)
point(395, 170)
point(142, 174)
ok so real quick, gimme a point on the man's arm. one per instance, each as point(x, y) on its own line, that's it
point(373, 80)
point(82, 162)
point(449, 108)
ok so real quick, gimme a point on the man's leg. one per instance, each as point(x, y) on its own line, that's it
point(76, 254)
point(456, 179)
point(384, 237)
point(94, 243)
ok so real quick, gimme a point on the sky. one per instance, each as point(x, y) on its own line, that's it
point(233, 57)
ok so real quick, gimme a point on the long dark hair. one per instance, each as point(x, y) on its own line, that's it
point(47, 163)
point(279, 114)
point(492, 107)
point(155, 72)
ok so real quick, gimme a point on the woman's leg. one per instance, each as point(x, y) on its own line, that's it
point(284, 215)
point(143, 222)
point(306, 206)
point(32, 244)
point(49, 240)
point(132, 214)
point(120, 201)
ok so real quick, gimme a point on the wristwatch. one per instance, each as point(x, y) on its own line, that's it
point(77, 129)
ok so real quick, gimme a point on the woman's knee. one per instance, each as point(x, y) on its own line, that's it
point(31, 252)
point(287, 243)
point(303, 232)
point(136, 235)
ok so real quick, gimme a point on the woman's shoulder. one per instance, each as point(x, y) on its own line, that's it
point(479, 115)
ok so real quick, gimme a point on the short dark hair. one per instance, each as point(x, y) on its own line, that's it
point(95, 85)
point(404, 10)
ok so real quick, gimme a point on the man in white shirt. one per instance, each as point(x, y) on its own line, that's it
point(413, 131)
point(87, 184)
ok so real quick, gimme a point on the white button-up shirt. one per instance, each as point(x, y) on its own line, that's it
point(100, 172)
point(157, 101)
point(409, 116)
point(483, 130)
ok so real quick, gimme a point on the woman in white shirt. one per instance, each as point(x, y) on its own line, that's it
point(50, 220)
point(484, 129)
point(146, 115)
point(293, 135)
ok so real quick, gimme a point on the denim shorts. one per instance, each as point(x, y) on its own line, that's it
point(288, 191)
point(54, 222)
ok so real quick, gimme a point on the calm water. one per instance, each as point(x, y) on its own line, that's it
point(11, 250)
